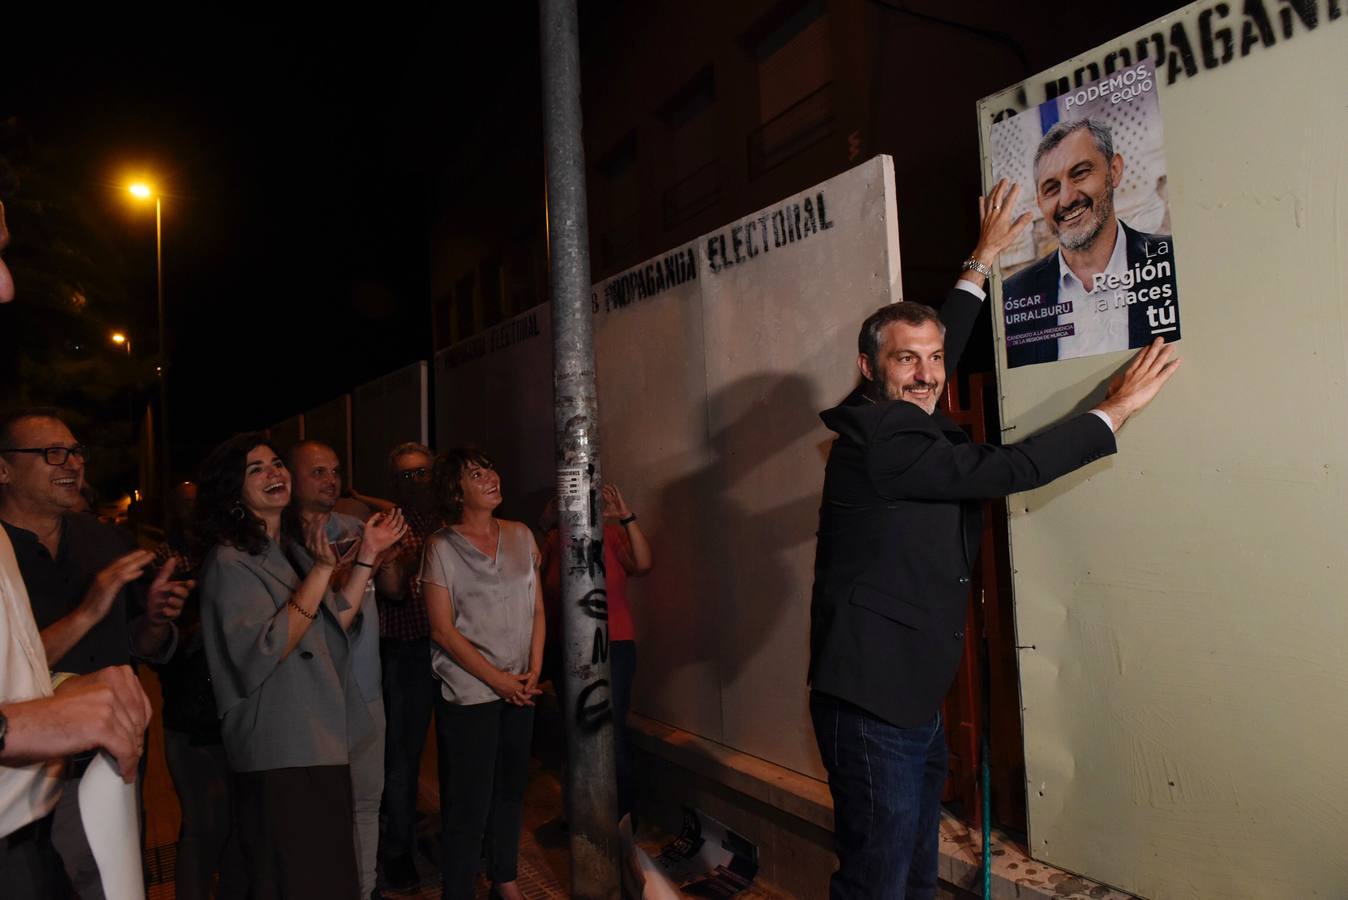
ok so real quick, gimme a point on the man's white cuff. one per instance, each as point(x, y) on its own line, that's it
point(1104, 417)
point(963, 285)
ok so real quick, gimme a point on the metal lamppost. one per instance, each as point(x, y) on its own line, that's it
point(143, 191)
point(592, 792)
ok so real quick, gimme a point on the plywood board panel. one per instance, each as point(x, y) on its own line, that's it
point(781, 317)
point(653, 445)
point(1179, 604)
point(494, 391)
point(287, 432)
point(384, 413)
point(330, 423)
point(713, 361)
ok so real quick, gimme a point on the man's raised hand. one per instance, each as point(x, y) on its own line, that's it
point(997, 229)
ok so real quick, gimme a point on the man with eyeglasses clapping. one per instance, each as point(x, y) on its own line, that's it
point(76, 571)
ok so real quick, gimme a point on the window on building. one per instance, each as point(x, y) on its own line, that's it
point(465, 316)
point(444, 316)
point(692, 144)
point(521, 291)
point(695, 95)
point(622, 202)
point(791, 47)
point(493, 309)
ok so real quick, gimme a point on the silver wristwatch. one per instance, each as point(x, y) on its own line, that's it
point(977, 266)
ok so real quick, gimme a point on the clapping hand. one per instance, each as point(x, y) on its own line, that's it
point(320, 548)
point(110, 580)
point(382, 531)
point(166, 596)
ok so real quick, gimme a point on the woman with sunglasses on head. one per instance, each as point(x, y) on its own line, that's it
point(277, 642)
point(480, 581)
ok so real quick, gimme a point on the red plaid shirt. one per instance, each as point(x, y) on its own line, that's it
point(406, 620)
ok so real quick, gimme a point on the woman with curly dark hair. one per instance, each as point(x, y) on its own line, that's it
point(479, 577)
point(277, 643)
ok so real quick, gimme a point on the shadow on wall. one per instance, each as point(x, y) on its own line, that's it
point(745, 513)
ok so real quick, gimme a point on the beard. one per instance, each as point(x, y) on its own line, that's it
point(1083, 233)
point(881, 391)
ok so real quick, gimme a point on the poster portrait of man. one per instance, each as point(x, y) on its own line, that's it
point(1096, 273)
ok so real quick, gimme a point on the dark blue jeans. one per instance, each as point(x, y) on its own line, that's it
point(886, 783)
point(410, 689)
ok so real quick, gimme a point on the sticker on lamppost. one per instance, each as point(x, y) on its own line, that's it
point(1096, 272)
point(572, 493)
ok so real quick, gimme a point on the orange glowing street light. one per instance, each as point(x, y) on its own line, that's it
point(119, 339)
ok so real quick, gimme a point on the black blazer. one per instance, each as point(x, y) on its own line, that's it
point(899, 532)
point(1041, 278)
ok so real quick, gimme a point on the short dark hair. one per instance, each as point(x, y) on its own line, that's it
point(1104, 140)
point(446, 479)
point(221, 517)
point(11, 418)
point(908, 312)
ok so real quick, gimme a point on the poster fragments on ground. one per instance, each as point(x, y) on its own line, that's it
point(1095, 273)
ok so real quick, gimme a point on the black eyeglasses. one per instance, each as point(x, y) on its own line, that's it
point(55, 456)
point(417, 474)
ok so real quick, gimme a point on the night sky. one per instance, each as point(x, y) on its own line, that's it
point(299, 159)
point(302, 158)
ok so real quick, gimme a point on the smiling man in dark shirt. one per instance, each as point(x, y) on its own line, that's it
point(76, 570)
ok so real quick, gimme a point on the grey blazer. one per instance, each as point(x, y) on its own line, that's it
point(276, 713)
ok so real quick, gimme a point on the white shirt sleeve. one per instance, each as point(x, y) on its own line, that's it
point(1104, 417)
point(963, 285)
point(27, 793)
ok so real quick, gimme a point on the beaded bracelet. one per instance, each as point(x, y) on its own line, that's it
point(300, 609)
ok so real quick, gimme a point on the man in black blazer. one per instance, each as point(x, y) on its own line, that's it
point(1110, 285)
point(898, 534)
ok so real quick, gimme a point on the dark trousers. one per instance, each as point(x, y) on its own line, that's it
point(295, 831)
point(484, 776)
point(886, 783)
point(201, 779)
point(410, 689)
point(622, 669)
point(29, 867)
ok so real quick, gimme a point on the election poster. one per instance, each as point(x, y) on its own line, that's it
point(1096, 271)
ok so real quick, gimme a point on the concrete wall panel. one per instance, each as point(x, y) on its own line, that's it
point(494, 391)
point(781, 345)
point(713, 361)
point(386, 412)
point(330, 423)
point(653, 442)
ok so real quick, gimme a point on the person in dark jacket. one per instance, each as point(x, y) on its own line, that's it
point(898, 534)
point(193, 749)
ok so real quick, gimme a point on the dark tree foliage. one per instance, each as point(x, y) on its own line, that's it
point(70, 296)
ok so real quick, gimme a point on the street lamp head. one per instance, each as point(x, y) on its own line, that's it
point(141, 190)
point(118, 338)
